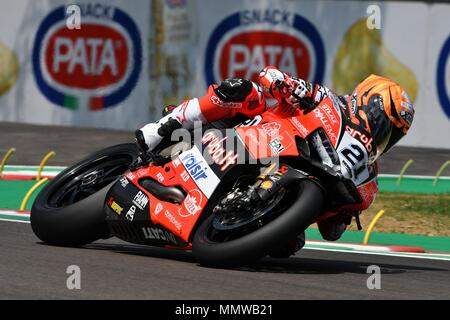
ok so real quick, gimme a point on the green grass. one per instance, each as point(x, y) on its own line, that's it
point(410, 213)
point(422, 204)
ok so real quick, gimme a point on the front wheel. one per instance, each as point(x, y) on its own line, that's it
point(213, 246)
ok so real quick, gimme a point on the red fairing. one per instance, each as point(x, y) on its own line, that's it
point(274, 137)
point(178, 219)
point(368, 191)
point(213, 108)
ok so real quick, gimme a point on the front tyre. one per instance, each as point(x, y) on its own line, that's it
point(69, 209)
point(306, 204)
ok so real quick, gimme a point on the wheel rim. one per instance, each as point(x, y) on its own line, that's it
point(88, 178)
point(229, 222)
point(217, 233)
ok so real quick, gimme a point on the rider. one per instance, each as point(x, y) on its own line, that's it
point(378, 113)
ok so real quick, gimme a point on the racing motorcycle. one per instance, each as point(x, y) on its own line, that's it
point(229, 205)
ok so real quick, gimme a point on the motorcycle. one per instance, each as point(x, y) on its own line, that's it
point(229, 205)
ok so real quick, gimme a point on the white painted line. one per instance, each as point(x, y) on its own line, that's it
point(10, 220)
point(15, 213)
point(353, 248)
point(12, 166)
point(29, 173)
point(350, 245)
point(412, 176)
point(392, 254)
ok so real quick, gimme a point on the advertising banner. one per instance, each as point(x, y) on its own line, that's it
point(92, 75)
point(130, 58)
point(323, 41)
point(435, 110)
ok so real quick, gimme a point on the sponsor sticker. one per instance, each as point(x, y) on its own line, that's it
point(326, 124)
point(272, 129)
point(330, 113)
point(131, 175)
point(266, 185)
point(160, 177)
point(176, 163)
point(199, 171)
point(276, 146)
point(191, 204)
point(124, 182)
point(232, 105)
point(130, 213)
point(368, 142)
point(185, 176)
point(217, 152)
point(300, 127)
point(140, 200)
point(353, 102)
point(154, 233)
point(158, 208)
point(172, 220)
point(408, 117)
point(115, 206)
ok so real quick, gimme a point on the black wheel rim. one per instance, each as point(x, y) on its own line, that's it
point(88, 178)
point(230, 222)
point(216, 234)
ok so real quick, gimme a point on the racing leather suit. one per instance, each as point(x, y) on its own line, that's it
point(241, 96)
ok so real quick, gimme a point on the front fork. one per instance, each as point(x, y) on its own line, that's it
point(266, 186)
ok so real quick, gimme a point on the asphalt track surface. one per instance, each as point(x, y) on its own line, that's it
point(112, 269)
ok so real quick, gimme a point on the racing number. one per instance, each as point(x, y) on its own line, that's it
point(355, 155)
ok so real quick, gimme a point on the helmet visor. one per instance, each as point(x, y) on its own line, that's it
point(379, 123)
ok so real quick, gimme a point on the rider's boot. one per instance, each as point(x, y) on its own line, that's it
point(289, 248)
point(332, 228)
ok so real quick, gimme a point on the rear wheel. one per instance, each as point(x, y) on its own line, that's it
point(69, 210)
point(226, 242)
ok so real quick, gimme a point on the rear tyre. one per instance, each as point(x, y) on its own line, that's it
point(308, 204)
point(69, 210)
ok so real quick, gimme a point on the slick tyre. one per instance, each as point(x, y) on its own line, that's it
point(308, 204)
point(69, 211)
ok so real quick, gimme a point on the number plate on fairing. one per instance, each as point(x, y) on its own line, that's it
point(353, 157)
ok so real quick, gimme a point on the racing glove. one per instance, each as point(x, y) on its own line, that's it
point(281, 86)
point(298, 93)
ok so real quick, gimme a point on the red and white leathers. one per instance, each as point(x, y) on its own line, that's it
point(217, 104)
point(208, 108)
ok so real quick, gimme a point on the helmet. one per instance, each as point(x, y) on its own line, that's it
point(384, 110)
